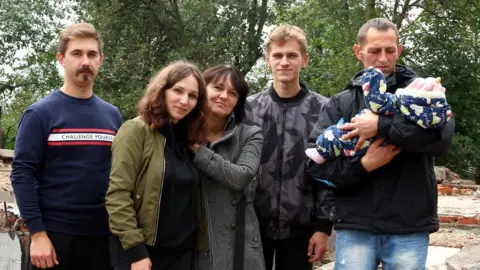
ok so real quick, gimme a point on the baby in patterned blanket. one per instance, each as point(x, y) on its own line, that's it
point(423, 102)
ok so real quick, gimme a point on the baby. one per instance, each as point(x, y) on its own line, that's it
point(423, 102)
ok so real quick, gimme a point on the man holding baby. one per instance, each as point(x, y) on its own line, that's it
point(386, 199)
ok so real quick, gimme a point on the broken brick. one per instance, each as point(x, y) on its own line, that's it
point(466, 220)
point(448, 219)
point(445, 190)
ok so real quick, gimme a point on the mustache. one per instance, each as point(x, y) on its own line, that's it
point(84, 69)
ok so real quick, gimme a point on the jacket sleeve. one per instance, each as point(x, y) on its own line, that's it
point(341, 171)
point(324, 208)
point(27, 160)
point(235, 176)
point(413, 138)
point(324, 200)
point(127, 152)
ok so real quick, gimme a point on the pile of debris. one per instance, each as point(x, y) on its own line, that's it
point(13, 232)
point(10, 220)
point(6, 191)
point(459, 214)
point(444, 176)
point(9, 215)
point(456, 246)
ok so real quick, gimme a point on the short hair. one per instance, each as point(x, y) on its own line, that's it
point(381, 24)
point(79, 30)
point(286, 32)
point(220, 73)
point(152, 107)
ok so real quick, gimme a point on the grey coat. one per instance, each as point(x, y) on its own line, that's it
point(228, 168)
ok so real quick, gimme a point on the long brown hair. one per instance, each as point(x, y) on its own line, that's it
point(153, 109)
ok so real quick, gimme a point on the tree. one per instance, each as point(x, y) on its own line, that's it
point(370, 9)
point(28, 32)
point(440, 39)
point(331, 28)
point(446, 38)
point(143, 36)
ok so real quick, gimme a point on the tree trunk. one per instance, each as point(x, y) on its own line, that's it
point(403, 14)
point(1, 130)
point(395, 12)
point(258, 19)
point(370, 9)
point(180, 23)
point(476, 51)
point(2, 139)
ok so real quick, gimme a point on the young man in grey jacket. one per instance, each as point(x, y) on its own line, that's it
point(294, 213)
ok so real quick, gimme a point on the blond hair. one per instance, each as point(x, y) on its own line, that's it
point(79, 30)
point(286, 32)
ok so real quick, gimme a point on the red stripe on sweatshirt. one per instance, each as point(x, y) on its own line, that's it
point(66, 130)
point(79, 143)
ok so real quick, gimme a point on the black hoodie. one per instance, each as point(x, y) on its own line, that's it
point(401, 196)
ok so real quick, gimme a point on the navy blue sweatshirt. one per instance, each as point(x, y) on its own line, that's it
point(62, 163)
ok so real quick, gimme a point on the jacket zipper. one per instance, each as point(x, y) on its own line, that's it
point(332, 214)
point(207, 212)
point(160, 197)
point(280, 166)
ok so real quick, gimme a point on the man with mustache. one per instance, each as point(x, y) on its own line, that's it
point(62, 161)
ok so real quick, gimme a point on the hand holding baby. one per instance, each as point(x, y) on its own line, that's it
point(427, 84)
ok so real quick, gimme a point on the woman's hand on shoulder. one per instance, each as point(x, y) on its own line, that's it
point(143, 264)
point(194, 147)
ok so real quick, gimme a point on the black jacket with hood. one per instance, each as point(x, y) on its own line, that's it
point(399, 197)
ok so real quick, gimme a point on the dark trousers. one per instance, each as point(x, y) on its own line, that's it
point(173, 261)
point(77, 252)
point(290, 254)
point(162, 259)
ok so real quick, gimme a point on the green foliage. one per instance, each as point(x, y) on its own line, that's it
point(143, 36)
point(441, 39)
point(462, 157)
point(28, 32)
point(26, 25)
point(446, 39)
point(331, 28)
point(13, 114)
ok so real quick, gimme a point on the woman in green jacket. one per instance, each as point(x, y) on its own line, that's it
point(152, 195)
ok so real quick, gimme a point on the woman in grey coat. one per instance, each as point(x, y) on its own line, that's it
point(228, 164)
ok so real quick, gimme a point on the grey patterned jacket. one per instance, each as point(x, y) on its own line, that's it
point(228, 167)
point(288, 203)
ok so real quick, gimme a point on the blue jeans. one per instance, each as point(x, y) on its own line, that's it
point(361, 250)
